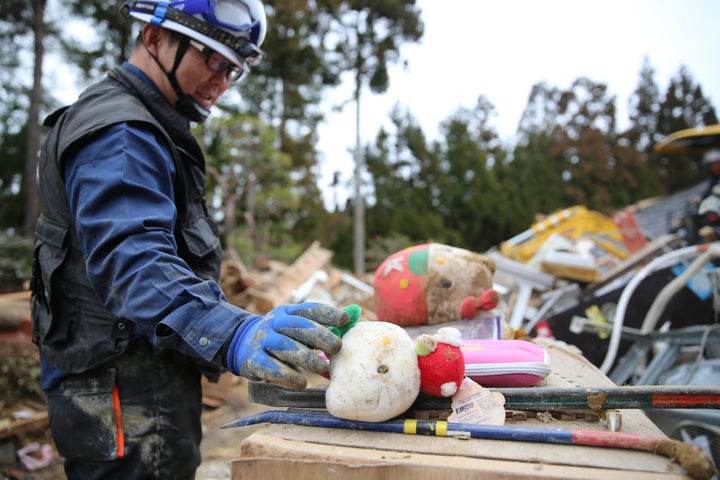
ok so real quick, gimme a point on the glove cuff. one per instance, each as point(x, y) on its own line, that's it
point(227, 352)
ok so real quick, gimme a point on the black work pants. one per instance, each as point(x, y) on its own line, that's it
point(137, 418)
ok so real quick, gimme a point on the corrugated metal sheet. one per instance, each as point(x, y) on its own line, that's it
point(658, 217)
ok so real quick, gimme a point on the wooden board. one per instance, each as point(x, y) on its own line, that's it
point(313, 259)
point(36, 422)
point(269, 456)
point(14, 309)
point(282, 449)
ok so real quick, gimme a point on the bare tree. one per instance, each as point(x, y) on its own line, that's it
point(32, 200)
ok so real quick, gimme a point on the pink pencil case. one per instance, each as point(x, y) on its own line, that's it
point(505, 363)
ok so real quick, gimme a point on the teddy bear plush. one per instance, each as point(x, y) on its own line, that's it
point(427, 284)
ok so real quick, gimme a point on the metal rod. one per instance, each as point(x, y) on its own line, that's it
point(532, 398)
point(695, 462)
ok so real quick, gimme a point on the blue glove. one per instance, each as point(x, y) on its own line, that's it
point(270, 348)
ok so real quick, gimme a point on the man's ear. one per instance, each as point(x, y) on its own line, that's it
point(152, 37)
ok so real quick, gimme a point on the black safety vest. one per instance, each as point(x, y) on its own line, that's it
point(72, 329)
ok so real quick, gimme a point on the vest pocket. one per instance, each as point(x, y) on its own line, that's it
point(200, 237)
point(50, 252)
point(85, 418)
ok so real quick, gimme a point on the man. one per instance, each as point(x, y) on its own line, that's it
point(712, 160)
point(127, 311)
point(708, 212)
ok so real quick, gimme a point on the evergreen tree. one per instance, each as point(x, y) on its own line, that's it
point(12, 195)
point(539, 170)
point(472, 195)
point(14, 25)
point(464, 188)
point(637, 160)
point(582, 160)
point(404, 175)
point(533, 181)
point(111, 40)
point(23, 32)
point(684, 106)
point(286, 89)
point(250, 182)
point(644, 105)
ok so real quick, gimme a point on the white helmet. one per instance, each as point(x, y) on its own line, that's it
point(711, 156)
point(233, 28)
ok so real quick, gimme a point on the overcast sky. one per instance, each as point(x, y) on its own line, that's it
point(501, 49)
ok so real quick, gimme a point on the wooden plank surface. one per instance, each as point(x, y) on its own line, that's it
point(283, 446)
point(269, 456)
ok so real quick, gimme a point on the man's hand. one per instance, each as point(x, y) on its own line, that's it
point(269, 348)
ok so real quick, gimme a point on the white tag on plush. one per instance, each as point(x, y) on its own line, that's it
point(475, 404)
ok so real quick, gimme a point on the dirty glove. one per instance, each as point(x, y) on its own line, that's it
point(269, 348)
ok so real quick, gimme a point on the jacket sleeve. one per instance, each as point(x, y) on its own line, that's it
point(120, 190)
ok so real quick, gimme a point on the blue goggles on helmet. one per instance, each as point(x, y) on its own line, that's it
point(238, 30)
point(221, 13)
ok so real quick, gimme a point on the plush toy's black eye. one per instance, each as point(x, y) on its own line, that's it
point(446, 284)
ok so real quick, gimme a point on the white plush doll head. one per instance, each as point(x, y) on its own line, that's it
point(375, 375)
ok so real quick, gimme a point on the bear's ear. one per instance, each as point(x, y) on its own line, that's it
point(490, 263)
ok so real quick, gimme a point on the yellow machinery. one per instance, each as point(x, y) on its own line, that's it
point(572, 223)
point(691, 140)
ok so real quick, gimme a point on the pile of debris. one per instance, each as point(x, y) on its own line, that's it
point(23, 419)
point(567, 259)
point(311, 277)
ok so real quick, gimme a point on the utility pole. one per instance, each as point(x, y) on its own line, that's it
point(359, 203)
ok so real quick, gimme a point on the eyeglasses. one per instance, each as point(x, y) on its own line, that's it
point(217, 63)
